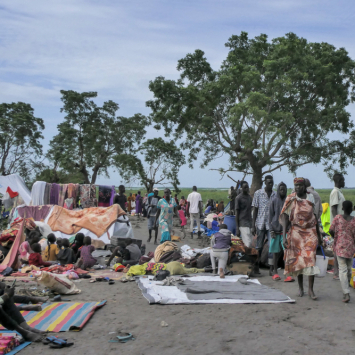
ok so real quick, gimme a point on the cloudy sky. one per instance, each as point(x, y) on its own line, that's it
point(117, 47)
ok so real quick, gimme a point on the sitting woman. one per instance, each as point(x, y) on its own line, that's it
point(220, 207)
point(66, 255)
point(52, 250)
point(220, 243)
point(87, 260)
point(35, 258)
point(121, 252)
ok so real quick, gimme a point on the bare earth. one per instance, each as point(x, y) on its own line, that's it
point(326, 326)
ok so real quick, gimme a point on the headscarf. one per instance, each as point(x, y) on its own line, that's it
point(299, 180)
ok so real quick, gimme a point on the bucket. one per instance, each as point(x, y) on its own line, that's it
point(322, 263)
point(229, 221)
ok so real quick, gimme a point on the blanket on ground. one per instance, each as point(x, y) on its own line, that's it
point(95, 219)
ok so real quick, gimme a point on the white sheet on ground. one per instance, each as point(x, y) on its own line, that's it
point(154, 293)
point(16, 184)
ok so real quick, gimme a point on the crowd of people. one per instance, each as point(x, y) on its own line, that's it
point(289, 224)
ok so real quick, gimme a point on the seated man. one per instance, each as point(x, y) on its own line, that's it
point(125, 259)
point(12, 319)
point(121, 253)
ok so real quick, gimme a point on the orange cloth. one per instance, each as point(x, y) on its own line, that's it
point(96, 219)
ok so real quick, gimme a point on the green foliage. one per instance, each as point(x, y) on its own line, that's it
point(20, 135)
point(59, 176)
point(91, 139)
point(158, 162)
point(271, 104)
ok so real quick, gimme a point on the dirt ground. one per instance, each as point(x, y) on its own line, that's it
point(326, 326)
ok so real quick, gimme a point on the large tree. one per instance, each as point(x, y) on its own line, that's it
point(157, 162)
point(92, 139)
point(20, 136)
point(271, 104)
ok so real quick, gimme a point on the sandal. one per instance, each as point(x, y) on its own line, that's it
point(60, 343)
point(111, 282)
point(289, 279)
point(49, 339)
point(276, 277)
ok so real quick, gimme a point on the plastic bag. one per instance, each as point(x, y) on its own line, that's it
point(56, 283)
point(352, 281)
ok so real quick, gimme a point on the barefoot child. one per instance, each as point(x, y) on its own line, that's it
point(183, 220)
point(87, 260)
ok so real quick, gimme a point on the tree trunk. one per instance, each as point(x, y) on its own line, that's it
point(94, 175)
point(257, 180)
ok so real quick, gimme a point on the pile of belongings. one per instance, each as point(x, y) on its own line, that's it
point(8, 236)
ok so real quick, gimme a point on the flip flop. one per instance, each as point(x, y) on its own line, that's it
point(289, 279)
point(59, 343)
point(111, 282)
point(49, 339)
point(276, 277)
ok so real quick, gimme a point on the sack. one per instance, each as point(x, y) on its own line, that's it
point(203, 261)
point(56, 282)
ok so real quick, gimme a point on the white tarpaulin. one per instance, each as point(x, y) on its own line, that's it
point(154, 292)
point(16, 184)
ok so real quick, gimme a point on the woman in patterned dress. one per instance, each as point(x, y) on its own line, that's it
point(303, 236)
point(166, 208)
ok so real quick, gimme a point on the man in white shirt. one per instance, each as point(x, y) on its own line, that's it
point(195, 208)
point(336, 207)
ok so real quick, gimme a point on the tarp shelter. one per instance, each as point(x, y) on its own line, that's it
point(16, 184)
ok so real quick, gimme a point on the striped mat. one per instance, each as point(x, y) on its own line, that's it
point(61, 317)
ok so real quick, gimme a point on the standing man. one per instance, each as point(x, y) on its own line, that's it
point(336, 207)
point(121, 198)
point(261, 205)
point(318, 208)
point(243, 217)
point(152, 210)
point(195, 208)
point(276, 229)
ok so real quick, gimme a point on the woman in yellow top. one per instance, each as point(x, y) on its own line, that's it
point(51, 251)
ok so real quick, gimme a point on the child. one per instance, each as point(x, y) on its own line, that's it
point(215, 226)
point(183, 220)
point(86, 259)
point(342, 230)
point(35, 258)
point(52, 250)
point(66, 255)
point(77, 244)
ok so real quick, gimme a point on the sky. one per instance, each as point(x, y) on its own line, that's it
point(117, 47)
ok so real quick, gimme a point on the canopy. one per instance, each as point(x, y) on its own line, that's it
point(16, 184)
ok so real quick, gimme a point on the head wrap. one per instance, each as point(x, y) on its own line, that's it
point(299, 180)
point(155, 189)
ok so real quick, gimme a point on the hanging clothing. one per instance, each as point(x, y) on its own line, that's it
point(69, 203)
point(325, 217)
point(104, 196)
point(88, 196)
point(47, 194)
point(54, 196)
point(113, 194)
point(62, 192)
point(11, 193)
point(37, 193)
point(73, 192)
